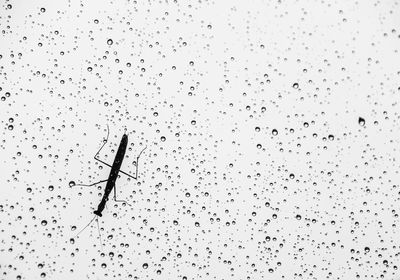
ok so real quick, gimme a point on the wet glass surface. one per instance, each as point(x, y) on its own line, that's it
point(272, 133)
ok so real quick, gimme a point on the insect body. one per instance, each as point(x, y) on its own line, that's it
point(113, 175)
point(115, 169)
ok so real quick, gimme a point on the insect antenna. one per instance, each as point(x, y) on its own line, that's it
point(85, 226)
point(98, 227)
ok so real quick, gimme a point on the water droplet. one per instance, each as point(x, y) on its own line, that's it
point(361, 121)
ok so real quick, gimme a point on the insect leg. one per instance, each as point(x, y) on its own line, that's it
point(137, 161)
point(115, 197)
point(95, 157)
point(105, 163)
point(105, 142)
point(137, 166)
point(102, 181)
point(98, 152)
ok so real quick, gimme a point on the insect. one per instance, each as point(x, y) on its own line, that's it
point(115, 169)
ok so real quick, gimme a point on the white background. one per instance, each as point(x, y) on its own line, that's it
point(230, 66)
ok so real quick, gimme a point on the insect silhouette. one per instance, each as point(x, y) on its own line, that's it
point(115, 169)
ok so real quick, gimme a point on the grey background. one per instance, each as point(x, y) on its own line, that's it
point(204, 75)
